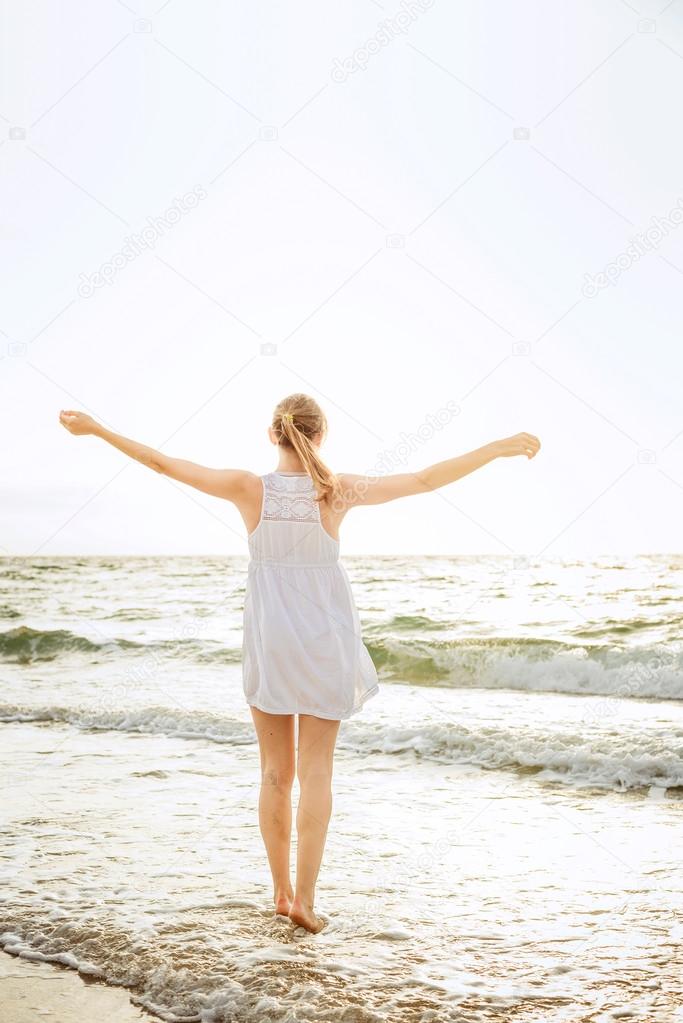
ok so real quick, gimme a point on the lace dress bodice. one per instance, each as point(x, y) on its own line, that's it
point(290, 531)
point(289, 497)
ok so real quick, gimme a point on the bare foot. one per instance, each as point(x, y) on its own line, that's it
point(283, 901)
point(303, 915)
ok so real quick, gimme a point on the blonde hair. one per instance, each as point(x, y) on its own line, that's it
point(296, 420)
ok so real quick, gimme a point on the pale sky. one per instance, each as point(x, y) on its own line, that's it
point(404, 200)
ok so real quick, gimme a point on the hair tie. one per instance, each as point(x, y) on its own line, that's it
point(288, 416)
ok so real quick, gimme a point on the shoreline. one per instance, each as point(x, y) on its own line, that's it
point(30, 990)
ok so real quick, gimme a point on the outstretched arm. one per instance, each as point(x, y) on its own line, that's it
point(364, 490)
point(230, 484)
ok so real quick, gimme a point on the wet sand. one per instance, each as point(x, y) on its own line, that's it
point(29, 991)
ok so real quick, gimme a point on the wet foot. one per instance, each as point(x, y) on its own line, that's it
point(283, 901)
point(303, 916)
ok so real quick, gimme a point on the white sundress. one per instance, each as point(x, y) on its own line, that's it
point(302, 648)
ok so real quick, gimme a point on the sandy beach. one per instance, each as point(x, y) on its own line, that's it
point(31, 990)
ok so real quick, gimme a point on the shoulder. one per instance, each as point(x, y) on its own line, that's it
point(353, 487)
point(250, 481)
point(243, 483)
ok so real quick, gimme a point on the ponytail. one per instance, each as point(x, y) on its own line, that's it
point(296, 420)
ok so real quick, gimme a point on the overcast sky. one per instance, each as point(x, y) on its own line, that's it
point(402, 209)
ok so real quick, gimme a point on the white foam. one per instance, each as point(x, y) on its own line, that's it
point(625, 760)
point(153, 720)
point(615, 761)
point(392, 934)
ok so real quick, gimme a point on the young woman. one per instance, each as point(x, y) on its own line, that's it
point(303, 653)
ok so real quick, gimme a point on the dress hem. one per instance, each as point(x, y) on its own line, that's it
point(325, 717)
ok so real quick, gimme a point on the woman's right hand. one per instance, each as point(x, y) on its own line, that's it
point(77, 423)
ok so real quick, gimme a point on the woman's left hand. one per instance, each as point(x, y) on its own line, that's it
point(520, 444)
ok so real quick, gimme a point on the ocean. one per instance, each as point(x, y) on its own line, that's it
point(508, 810)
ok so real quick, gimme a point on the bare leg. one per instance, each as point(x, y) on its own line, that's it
point(317, 738)
point(276, 744)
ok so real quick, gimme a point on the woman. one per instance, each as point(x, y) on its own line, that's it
point(303, 653)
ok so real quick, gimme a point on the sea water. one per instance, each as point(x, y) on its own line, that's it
point(507, 824)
